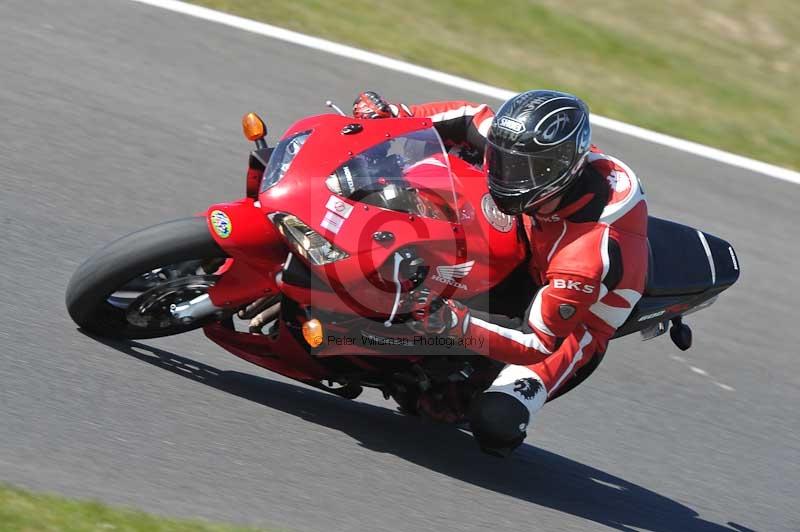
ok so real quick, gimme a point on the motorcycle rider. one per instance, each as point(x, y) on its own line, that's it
point(587, 227)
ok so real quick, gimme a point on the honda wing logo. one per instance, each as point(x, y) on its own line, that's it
point(451, 275)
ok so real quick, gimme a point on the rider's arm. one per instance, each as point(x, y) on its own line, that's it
point(456, 121)
point(562, 305)
point(558, 309)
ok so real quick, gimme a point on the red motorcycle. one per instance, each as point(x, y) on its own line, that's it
point(345, 222)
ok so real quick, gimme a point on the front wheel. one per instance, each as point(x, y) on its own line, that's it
point(148, 284)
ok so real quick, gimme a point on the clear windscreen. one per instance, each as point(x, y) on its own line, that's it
point(409, 173)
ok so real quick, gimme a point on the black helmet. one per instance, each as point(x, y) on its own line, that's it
point(535, 149)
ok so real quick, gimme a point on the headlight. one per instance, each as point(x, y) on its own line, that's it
point(305, 241)
point(281, 159)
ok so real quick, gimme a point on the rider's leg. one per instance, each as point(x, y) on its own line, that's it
point(500, 416)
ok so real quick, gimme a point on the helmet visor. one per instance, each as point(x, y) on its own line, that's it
point(517, 173)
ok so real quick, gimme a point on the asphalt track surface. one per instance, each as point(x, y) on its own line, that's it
point(115, 115)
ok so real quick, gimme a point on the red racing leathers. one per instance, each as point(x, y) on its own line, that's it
point(589, 257)
point(459, 123)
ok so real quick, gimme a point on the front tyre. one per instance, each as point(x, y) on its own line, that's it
point(148, 284)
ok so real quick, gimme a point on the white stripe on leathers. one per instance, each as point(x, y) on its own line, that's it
point(531, 341)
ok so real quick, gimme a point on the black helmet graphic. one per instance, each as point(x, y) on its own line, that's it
point(536, 148)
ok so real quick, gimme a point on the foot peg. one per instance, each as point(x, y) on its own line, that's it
point(681, 334)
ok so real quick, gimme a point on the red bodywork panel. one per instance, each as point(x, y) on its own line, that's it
point(303, 193)
point(280, 353)
point(257, 250)
point(492, 249)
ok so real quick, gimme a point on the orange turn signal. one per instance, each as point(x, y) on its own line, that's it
point(253, 127)
point(312, 333)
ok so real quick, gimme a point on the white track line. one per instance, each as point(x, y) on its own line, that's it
point(704, 373)
point(465, 84)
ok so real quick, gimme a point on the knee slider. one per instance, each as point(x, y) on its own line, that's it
point(498, 422)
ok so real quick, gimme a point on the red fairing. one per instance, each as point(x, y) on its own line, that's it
point(493, 241)
point(441, 243)
point(467, 250)
point(257, 250)
point(492, 236)
point(278, 353)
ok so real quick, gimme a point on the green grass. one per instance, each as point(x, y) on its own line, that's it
point(720, 72)
point(22, 511)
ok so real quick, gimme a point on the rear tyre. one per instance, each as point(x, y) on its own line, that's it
point(126, 289)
